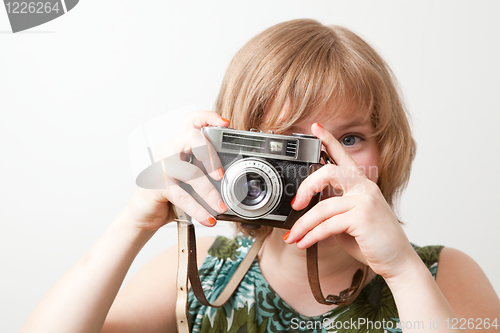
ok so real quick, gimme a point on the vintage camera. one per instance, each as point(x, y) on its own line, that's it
point(262, 172)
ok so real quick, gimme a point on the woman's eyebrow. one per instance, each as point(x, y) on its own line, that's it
point(353, 123)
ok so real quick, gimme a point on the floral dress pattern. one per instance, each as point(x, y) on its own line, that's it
point(255, 306)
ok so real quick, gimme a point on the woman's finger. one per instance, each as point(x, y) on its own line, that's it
point(334, 148)
point(190, 174)
point(179, 197)
point(319, 214)
point(192, 142)
point(350, 245)
point(340, 179)
point(199, 119)
point(336, 225)
point(207, 155)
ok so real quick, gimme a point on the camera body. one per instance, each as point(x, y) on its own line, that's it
point(262, 172)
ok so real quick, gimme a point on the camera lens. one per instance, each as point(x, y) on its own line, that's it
point(255, 188)
point(250, 189)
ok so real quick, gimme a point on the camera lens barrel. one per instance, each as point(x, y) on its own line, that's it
point(251, 188)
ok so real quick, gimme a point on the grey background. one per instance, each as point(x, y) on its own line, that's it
point(72, 91)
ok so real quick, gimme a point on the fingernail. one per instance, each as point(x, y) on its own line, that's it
point(220, 172)
point(212, 220)
point(293, 200)
point(285, 236)
point(224, 119)
point(299, 240)
point(222, 205)
point(319, 125)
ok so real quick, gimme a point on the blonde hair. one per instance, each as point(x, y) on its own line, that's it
point(309, 64)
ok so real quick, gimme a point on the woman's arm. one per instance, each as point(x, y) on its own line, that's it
point(147, 302)
point(80, 301)
point(461, 298)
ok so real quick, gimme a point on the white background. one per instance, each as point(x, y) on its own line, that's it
point(72, 90)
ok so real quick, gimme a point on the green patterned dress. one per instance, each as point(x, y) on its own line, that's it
point(255, 306)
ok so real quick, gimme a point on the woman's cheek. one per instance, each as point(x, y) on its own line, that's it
point(369, 165)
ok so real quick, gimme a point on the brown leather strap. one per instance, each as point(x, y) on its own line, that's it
point(188, 268)
point(346, 296)
point(235, 279)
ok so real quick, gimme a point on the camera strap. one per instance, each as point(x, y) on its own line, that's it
point(187, 270)
point(346, 296)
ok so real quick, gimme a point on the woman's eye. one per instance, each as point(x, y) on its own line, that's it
point(351, 140)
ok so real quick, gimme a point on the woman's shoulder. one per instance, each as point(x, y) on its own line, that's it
point(465, 285)
point(447, 263)
point(455, 265)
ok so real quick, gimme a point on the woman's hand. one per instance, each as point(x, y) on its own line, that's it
point(360, 219)
point(150, 209)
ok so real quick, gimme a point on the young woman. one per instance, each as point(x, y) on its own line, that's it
point(296, 77)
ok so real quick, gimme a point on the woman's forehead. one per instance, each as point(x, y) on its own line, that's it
point(345, 113)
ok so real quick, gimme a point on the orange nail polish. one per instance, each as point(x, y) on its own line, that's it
point(224, 119)
point(299, 240)
point(293, 200)
point(220, 172)
point(212, 220)
point(319, 125)
point(285, 236)
point(222, 205)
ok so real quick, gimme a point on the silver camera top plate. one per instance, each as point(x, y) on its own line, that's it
point(297, 147)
